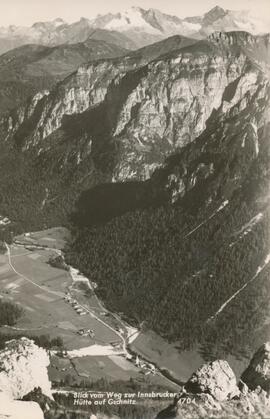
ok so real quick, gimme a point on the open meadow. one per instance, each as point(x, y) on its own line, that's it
point(41, 290)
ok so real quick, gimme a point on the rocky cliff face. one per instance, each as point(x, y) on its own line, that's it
point(212, 391)
point(240, 140)
point(215, 378)
point(23, 367)
point(258, 372)
point(84, 89)
point(170, 107)
point(13, 409)
point(148, 111)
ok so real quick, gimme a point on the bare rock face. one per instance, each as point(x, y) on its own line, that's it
point(85, 88)
point(212, 391)
point(189, 406)
point(148, 110)
point(215, 378)
point(23, 367)
point(14, 409)
point(258, 372)
point(170, 106)
point(78, 93)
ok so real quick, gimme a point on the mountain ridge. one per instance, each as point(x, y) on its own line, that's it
point(32, 68)
point(121, 93)
point(137, 26)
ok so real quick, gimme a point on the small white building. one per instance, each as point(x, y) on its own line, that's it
point(79, 310)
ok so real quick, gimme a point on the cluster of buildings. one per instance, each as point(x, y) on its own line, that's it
point(87, 332)
point(149, 368)
point(79, 310)
point(145, 366)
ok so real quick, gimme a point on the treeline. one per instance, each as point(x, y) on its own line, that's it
point(58, 262)
point(44, 341)
point(3, 248)
point(9, 313)
point(133, 385)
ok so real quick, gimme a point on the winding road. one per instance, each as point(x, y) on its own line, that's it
point(123, 339)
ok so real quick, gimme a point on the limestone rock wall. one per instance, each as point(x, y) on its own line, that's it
point(23, 366)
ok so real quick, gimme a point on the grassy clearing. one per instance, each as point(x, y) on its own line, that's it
point(180, 364)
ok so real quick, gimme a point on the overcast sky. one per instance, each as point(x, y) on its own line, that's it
point(26, 12)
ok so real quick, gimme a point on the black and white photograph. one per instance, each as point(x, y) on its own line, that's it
point(135, 209)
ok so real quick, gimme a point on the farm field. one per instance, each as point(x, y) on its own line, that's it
point(45, 310)
point(180, 364)
point(104, 367)
point(27, 279)
point(53, 237)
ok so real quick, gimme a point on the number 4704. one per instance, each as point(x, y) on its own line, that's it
point(186, 400)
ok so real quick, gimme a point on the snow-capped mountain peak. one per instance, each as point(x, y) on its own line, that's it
point(137, 27)
point(130, 19)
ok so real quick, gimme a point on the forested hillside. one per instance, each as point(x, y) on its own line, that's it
point(177, 267)
point(147, 267)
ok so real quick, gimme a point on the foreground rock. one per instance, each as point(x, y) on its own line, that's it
point(215, 378)
point(23, 367)
point(14, 409)
point(258, 371)
point(252, 406)
point(212, 391)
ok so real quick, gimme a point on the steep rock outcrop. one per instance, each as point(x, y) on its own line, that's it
point(258, 371)
point(199, 165)
point(148, 110)
point(81, 90)
point(215, 378)
point(14, 409)
point(23, 366)
point(212, 391)
point(170, 107)
point(189, 406)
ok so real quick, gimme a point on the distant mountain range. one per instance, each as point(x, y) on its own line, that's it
point(132, 29)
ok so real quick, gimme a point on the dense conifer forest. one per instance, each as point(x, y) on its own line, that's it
point(151, 266)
